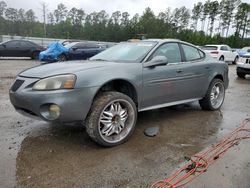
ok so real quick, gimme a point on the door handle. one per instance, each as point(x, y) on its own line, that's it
point(179, 71)
point(207, 67)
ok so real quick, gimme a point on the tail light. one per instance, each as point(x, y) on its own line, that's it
point(214, 52)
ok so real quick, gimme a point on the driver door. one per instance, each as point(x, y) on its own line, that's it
point(161, 84)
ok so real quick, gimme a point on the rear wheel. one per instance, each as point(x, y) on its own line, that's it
point(112, 119)
point(214, 97)
point(221, 58)
point(62, 57)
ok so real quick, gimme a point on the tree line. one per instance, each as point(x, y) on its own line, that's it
point(225, 21)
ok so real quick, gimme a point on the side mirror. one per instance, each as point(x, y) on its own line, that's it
point(157, 61)
point(74, 48)
point(3, 45)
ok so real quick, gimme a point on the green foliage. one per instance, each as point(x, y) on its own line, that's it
point(180, 23)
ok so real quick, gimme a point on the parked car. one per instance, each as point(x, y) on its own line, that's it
point(222, 53)
point(20, 48)
point(243, 65)
point(106, 91)
point(65, 42)
point(72, 51)
point(244, 51)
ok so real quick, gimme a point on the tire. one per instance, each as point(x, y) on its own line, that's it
point(103, 120)
point(62, 57)
point(216, 91)
point(235, 60)
point(241, 75)
point(221, 58)
point(35, 55)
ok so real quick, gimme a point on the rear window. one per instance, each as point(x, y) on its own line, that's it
point(209, 47)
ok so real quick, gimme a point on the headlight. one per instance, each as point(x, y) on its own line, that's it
point(56, 82)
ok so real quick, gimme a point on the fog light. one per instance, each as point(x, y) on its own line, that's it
point(54, 111)
point(50, 111)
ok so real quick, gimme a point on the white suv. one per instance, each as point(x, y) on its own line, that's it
point(222, 53)
point(243, 65)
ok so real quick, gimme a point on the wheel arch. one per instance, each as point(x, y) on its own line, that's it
point(218, 76)
point(120, 85)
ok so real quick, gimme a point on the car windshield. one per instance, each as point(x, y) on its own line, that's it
point(126, 52)
point(209, 47)
point(68, 46)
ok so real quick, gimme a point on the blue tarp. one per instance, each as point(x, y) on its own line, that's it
point(53, 51)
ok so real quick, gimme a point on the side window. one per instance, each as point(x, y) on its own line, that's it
point(12, 44)
point(228, 48)
point(25, 44)
point(80, 46)
point(92, 46)
point(169, 50)
point(191, 53)
point(224, 48)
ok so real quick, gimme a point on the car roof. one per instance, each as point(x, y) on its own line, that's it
point(162, 40)
point(19, 40)
point(170, 40)
point(218, 45)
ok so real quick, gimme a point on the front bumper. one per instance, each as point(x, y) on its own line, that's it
point(243, 70)
point(243, 66)
point(74, 104)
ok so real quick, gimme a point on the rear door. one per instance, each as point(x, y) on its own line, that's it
point(194, 72)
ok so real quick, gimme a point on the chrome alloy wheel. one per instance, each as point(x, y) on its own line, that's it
point(116, 120)
point(217, 95)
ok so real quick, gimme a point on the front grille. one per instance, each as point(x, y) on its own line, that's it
point(17, 85)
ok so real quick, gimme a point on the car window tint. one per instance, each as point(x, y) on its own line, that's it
point(92, 45)
point(191, 53)
point(228, 48)
point(12, 44)
point(224, 48)
point(80, 46)
point(26, 44)
point(170, 50)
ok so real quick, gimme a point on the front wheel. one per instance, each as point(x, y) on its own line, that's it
point(112, 119)
point(35, 55)
point(221, 58)
point(62, 57)
point(214, 97)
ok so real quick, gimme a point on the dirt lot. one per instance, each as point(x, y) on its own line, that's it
point(37, 154)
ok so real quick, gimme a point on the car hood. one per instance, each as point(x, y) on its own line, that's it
point(69, 67)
